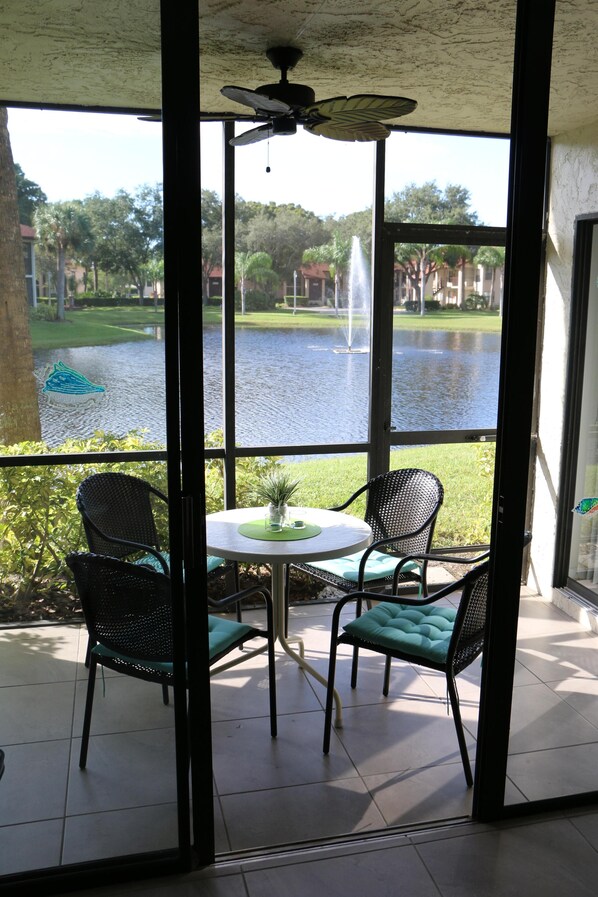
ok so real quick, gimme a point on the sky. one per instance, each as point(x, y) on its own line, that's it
point(71, 155)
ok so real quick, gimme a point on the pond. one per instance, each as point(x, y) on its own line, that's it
point(291, 386)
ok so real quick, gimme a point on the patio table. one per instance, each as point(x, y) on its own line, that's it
point(241, 535)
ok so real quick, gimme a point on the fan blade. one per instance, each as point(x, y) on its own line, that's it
point(365, 130)
point(211, 116)
point(360, 108)
point(256, 100)
point(252, 136)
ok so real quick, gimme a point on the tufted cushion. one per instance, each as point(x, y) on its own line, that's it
point(150, 561)
point(222, 634)
point(419, 631)
point(379, 566)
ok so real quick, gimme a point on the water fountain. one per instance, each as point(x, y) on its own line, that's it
point(356, 313)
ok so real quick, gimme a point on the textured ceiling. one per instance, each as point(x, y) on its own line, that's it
point(453, 56)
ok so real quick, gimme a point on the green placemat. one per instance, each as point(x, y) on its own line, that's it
point(256, 529)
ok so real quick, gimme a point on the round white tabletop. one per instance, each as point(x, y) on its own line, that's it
point(341, 534)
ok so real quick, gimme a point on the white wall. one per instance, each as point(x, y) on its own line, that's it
point(573, 192)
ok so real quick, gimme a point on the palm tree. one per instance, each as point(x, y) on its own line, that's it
point(255, 267)
point(61, 227)
point(418, 261)
point(337, 255)
point(492, 257)
point(19, 412)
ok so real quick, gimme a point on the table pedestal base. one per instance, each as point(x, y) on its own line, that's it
point(278, 599)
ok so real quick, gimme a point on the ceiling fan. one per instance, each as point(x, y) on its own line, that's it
point(286, 105)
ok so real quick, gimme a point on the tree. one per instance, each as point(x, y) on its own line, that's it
point(29, 195)
point(355, 224)
point(285, 232)
point(492, 257)
point(337, 255)
point(252, 266)
point(128, 232)
point(427, 204)
point(457, 257)
point(62, 227)
point(211, 237)
point(19, 412)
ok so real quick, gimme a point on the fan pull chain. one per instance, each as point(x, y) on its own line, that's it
point(268, 156)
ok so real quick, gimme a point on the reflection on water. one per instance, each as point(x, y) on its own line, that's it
point(291, 387)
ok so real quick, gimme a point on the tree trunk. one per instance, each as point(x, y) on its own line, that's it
point(422, 286)
point(60, 283)
point(19, 412)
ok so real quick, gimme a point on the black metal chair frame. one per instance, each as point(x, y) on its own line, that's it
point(127, 611)
point(466, 642)
point(132, 497)
point(388, 491)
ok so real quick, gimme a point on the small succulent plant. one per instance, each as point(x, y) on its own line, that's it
point(276, 488)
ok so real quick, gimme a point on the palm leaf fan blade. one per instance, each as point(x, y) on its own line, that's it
point(360, 108)
point(258, 101)
point(254, 135)
point(360, 131)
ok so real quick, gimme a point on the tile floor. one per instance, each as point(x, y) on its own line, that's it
point(395, 763)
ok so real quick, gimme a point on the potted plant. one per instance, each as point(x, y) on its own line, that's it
point(275, 490)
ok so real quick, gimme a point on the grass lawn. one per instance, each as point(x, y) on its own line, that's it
point(465, 471)
point(96, 327)
point(105, 326)
point(486, 321)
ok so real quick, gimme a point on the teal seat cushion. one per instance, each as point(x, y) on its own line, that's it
point(150, 561)
point(418, 631)
point(160, 666)
point(379, 566)
point(222, 634)
point(213, 562)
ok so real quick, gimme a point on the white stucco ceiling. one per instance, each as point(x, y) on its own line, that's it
point(453, 56)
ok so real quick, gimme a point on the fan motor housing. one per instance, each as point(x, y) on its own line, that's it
point(284, 126)
point(294, 95)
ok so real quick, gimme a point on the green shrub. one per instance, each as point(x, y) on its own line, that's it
point(42, 312)
point(414, 305)
point(40, 523)
point(475, 301)
point(255, 301)
point(302, 301)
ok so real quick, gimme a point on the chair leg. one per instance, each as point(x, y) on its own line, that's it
point(237, 588)
point(88, 708)
point(329, 696)
point(386, 685)
point(454, 698)
point(165, 698)
point(354, 666)
point(271, 671)
point(330, 678)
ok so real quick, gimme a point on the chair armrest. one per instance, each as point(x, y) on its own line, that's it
point(364, 595)
point(388, 540)
point(432, 556)
point(231, 600)
point(139, 546)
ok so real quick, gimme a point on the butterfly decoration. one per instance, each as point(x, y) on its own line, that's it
point(587, 507)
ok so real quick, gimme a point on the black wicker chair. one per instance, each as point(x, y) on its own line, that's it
point(128, 615)
point(418, 631)
point(401, 508)
point(119, 518)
